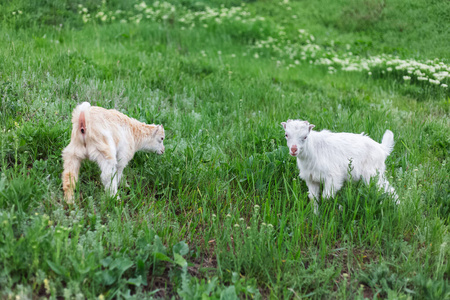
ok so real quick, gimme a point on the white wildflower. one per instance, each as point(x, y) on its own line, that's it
point(142, 5)
point(418, 73)
point(436, 82)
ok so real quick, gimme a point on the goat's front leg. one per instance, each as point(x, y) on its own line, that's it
point(313, 194)
point(109, 176)
point(331, 187)
point(122, 162)
point(117, 178)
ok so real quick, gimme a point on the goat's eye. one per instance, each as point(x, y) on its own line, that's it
point(286, 136)
point(162, 139)
point(305, 137)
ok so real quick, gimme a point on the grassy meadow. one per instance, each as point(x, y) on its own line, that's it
point(223, 214)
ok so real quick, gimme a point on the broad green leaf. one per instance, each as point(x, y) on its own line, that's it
point(122, 264)
point(235, 277)
point(229, 294)
point(181, 248)
point(179, 260)
point(135, 281)
point(212, 284)
point(158, 245)
point(252, 289)
point(106, 261)
point(84, 270)
point(108, 277)
point(58, 269)
point(162, 257)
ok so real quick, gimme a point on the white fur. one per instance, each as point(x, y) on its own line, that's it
point(109, 138)
point(325, 157)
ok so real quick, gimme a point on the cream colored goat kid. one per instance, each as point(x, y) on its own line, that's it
point(109, 138)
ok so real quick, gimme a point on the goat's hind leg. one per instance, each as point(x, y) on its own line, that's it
point(72, 157)
point(105, 156)
point(383, 183)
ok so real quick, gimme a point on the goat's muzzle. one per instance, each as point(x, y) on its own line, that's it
point(294, 150)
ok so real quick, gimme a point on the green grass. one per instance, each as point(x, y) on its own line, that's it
point(222, 214)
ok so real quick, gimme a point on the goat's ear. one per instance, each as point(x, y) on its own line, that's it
point(311, 126)
point(156, 129)
point(283, 124)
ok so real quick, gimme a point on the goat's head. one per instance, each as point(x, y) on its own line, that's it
point(296, 133)
point(153, 141)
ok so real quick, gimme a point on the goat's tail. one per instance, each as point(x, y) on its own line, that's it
point(388, 141)
point(80, 122)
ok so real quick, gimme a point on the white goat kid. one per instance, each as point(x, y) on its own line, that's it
point(325, 157)
point(109, 138)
